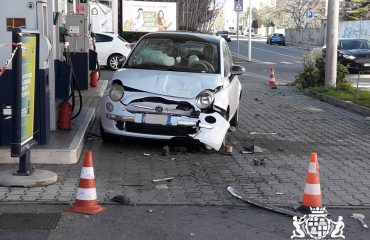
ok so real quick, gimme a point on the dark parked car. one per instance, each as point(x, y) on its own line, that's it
point(277, 38)
point(354, 53)
point(224, 34)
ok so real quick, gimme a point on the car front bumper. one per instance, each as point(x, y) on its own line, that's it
point(209, 128)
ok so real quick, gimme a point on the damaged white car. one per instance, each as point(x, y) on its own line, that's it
point(174, 84)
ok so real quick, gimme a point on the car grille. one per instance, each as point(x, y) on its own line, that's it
point(159, 129)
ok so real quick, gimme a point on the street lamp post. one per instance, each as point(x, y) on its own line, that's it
point(250, 32)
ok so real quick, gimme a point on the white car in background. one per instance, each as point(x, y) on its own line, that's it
point(110, 48)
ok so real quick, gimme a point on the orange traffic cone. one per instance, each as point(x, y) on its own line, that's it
point(86, 199)
point(312, 190)
point(272, 81)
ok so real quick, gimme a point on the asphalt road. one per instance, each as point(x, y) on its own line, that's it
point(286, 60)
point(167, 223)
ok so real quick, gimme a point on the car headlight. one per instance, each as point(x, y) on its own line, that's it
point(116, 92)
point(349, 57)
point(205, 99)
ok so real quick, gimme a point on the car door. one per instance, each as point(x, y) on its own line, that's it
point(104, 47)
point(234, 85)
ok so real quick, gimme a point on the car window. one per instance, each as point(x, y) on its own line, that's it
point(175, 55)
point(227, 60)
point(103, 38)
point(354, 44)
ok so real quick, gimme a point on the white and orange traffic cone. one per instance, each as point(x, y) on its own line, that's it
point(312, 190)
point(86, 198)
point(272, 80)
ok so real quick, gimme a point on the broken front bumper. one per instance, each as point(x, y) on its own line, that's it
point(209, 129)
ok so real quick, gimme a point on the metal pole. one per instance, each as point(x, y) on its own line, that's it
point(237, 30)
point(250, 32)
point(332, 44)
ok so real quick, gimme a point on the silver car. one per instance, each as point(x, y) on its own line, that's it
point(174, 84)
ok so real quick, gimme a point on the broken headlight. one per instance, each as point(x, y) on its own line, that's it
point(116, 92)
point(205, 99)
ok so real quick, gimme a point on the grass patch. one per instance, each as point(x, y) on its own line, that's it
point(346, 92)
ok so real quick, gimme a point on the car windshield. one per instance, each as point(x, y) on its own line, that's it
point(354, 44)
point(175, 55)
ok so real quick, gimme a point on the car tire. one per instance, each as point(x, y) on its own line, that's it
point(113, 60)
point(106, 137)
point(283, 44)
point(235, 120)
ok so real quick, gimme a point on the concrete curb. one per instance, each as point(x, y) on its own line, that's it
point(340, 103)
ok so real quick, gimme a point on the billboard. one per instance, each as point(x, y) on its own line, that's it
point(148, 16)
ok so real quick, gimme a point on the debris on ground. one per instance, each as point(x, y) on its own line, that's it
point(246, 152)
point(256, 115)
point(166, 150)
point(232, 129)
point(256, 99)
point(279, 193)
point(162, 187)
point(261, 133)
point(251, 149)
point(150, 210)
point(146, 154)
point(259, 161)
point(360, 217)
point(169, 179)
point(228, 149)
point(257, 203)
point(280, 149)
point(257, 149)
point(121, 199)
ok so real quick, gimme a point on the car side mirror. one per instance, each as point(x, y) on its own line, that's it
point(237, 70)
point(121, 61)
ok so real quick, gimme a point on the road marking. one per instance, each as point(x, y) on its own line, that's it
point(289, 63)
point(273, 52)
point(298, 62)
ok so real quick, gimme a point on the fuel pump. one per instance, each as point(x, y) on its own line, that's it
point(30, 14)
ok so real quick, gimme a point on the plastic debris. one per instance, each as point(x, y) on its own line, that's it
point(121, 199)
point(360, 217)
point(279, 193)
point(246, 152)
point(257, 149)
point(150, 210)
point(169, 179)
point(162, 187)
point(228, 149)
point(146, 154)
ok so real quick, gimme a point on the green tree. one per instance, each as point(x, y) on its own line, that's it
point(356, 10)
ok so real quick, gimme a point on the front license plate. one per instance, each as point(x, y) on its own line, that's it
point(156, 119)
point(366, 64)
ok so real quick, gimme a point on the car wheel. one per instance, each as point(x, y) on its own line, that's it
point(106, 137)
point(113, 61)
point(235, 120)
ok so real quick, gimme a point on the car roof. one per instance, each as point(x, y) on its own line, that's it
point(107, 33)
point(184, 36)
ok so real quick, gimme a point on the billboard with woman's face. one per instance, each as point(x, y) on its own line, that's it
point(148, 16)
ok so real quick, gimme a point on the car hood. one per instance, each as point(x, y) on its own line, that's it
point(357, 52)
point(176, 84)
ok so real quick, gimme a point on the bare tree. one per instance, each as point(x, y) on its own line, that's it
point(297, 9)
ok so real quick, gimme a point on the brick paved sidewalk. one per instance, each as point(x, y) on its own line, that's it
point(301, 124)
